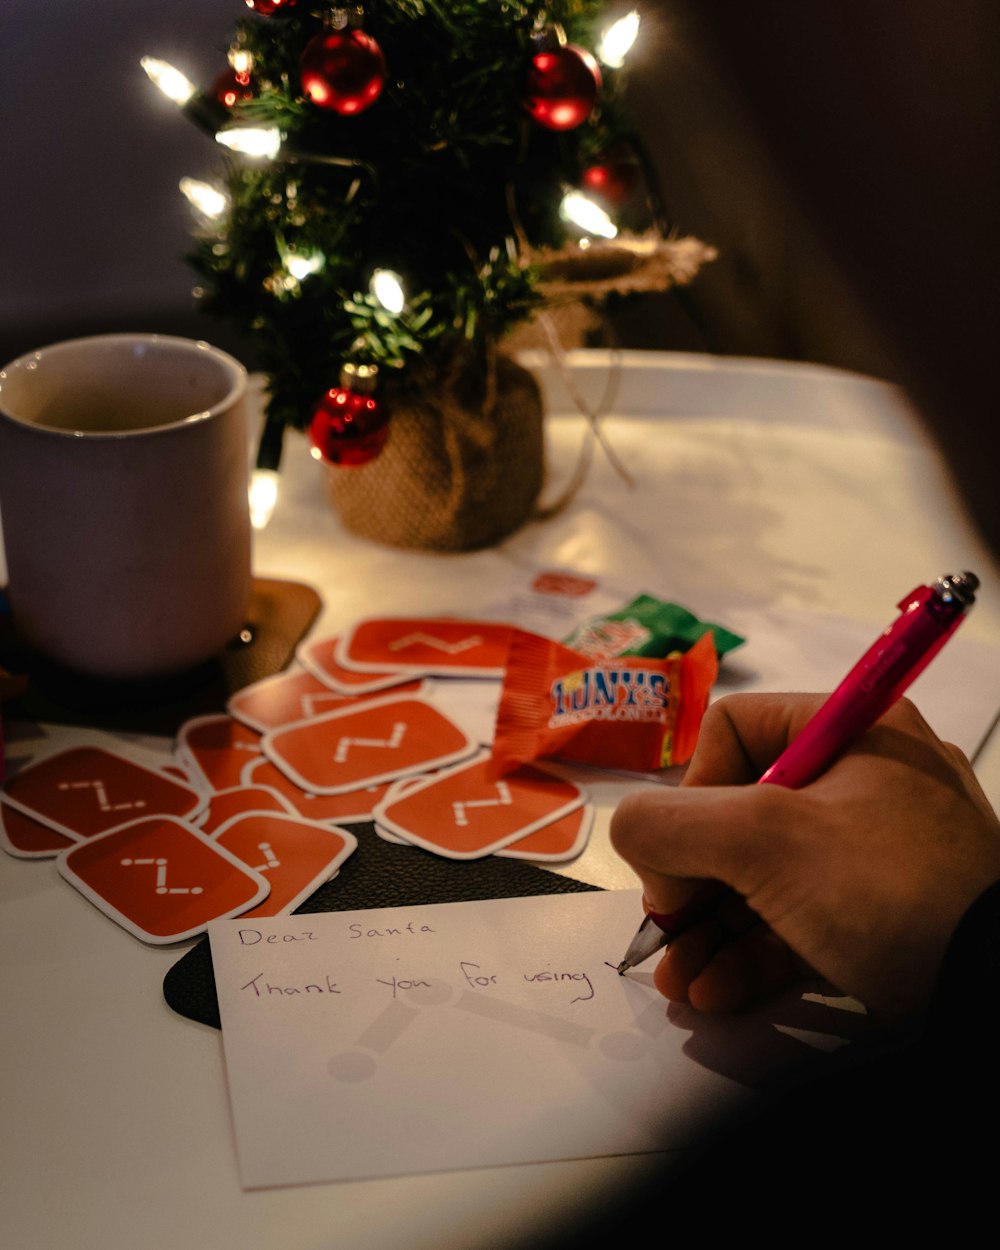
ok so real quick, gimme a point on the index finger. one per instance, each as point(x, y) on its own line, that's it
point(741, 736)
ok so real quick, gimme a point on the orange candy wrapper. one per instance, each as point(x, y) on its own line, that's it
point(629, 712)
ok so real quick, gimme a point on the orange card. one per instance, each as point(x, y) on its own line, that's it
point(84, 791)
point(295, 855)
point(376, 740)
point(563, 839)
point(28, 838)
point(215, 749)
point(320, 658)
point(224, 805)
point(465, 813)
point(161, 878)
point(395, 790)
point(175, 770)
point(429, 645)
point(321, 808)
point(282, 699)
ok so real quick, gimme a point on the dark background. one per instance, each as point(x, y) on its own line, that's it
point(838, 153)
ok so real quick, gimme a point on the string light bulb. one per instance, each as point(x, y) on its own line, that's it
point(616, 42)
point(205, 112)
point(301, 264)
point(174, 85)
point(209, 201)
point(387, 288)
point(241, 59)
point(583, 212)
point(254, 141)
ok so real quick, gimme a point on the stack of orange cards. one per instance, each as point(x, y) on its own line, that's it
point(248, 817)
point(157, 853)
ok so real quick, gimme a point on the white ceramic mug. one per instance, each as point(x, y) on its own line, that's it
point(123, 502)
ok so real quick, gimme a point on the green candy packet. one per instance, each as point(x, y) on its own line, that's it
point(650, 627)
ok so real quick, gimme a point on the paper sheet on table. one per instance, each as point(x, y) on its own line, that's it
point(789, 649)
point(459, 1035)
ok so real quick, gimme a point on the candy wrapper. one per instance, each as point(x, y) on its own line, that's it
point(633, 713)
point(647, 626)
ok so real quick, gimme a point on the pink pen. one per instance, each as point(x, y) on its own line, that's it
point(928, 617)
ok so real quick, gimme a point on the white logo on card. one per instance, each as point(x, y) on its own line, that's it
point(503, 799)
point(390, 744)
point(313, 704)
point(270, 859)
point(439, 644)
point(161, 864)
point(101, 794)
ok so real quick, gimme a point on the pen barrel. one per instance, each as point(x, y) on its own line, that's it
point(879, 678)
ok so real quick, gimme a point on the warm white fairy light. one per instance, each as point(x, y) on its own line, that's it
point(263, 496)
point(583, 212)
point(241, 60)
point(210, 202)
point(301, 264)
point(618, 39)
point(174, 85)
point(387, 287)
point(264, 141)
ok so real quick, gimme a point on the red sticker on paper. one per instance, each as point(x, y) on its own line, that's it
point(348, 806)
point(570, 585)
point(161, 878)
point(84, 791)
point(320, 658)
point(214, 750)
point(224, 805)
point(435, 645)
point(465, 812)
point(295, 855)
point(282, 699)
point(378, 740)
point(560, 840)
point(28, 838)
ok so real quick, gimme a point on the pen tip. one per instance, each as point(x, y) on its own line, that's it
point(623, 967)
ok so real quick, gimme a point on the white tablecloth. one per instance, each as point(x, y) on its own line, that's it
point(794, 503)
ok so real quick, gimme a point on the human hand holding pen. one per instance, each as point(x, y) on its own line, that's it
point(860, 876)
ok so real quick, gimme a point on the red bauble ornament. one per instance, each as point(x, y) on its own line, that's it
point(613, 182)
point(272, 8)
point(232, 86)
point(343, 70)
point(349, 427)
point(562, 87)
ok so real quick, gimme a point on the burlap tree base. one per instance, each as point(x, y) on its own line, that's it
point(464, 463)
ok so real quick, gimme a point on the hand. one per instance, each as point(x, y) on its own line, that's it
point(860, 877)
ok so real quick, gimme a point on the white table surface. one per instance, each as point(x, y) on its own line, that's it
point(761, 491)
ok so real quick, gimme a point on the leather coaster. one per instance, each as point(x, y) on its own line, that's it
point(279, 617)
point(378, 874)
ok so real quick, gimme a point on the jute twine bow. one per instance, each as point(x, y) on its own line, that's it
point(630, 264)
point(594, 434)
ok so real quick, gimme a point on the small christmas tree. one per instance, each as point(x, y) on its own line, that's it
point(402, 178)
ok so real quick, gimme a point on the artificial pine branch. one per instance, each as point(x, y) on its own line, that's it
point(444, 180)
